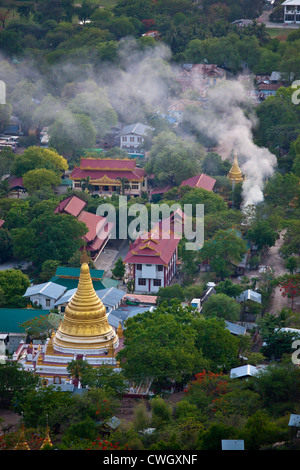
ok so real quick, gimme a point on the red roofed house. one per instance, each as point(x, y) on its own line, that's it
point(200, 181)
point(2, 222)
point(151, 261)
point(99, 230)
point(106, 176)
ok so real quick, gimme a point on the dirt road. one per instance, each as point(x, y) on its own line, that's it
point(274, 260)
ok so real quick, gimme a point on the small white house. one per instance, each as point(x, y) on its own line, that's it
point(45, 294)
point(291, 11)
point(132, 138)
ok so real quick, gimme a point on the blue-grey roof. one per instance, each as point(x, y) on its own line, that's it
point(111, 296)
point(233, 444)
point(250, 295)
point(66, 297)
point(48, 289)
point(235, 329)
point(138, 128)
point(294, 420)
point(125, 311)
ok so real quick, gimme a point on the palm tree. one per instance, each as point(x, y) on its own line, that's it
point(124, 184)
point(86, 185)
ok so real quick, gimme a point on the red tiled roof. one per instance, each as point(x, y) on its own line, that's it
point(134, 175)
point(1, 222)
point(15, 182)
point(269, 86)
point(160, 190)
point(93, 222)
point(152, 250)
point(107, 163)
point(73, 205)
point(200, 181)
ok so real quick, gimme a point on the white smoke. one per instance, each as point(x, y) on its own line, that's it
point(229, 120)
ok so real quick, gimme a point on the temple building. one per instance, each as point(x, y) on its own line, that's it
point(108, 176)
point(235, 174)
point(84, 333)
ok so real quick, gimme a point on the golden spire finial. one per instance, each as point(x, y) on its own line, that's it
point(47, 440)
point(235, 173)
point(120, 330)
point(22, 443)
point(84, 258)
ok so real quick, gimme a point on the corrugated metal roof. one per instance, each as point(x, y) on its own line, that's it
point(233, 444)
point(243, 371)
point(250, 295)
point(125, 311)
point(12, 318)
point(294, 420)
point(48, 289)
point(75, 272)
point(235, 329)
point(111, 297)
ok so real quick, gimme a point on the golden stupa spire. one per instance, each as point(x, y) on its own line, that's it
point(235, 173)
point(85, 325)
point(22, 443)
point(47, 440)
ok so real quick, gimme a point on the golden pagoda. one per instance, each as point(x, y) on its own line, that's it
point(235, 174)
point(85, 327)
point(84, 333)
point(22, 443)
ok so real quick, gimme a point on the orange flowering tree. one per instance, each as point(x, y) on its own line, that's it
point(208, 390)
point(289, 286)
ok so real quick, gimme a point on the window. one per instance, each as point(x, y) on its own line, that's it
point(77, 185)
point(124, 139)
point(160, 267)
point(47, 302)
point(139, 267)
point(134, 186)
point(131, 139)
point(157, 282)
point(142, 282)
point(139, 139)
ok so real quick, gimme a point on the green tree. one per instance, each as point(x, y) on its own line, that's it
point(49, 268)
point(229, 288)
point(5, 245)
point(49, 236)
point(34, 158)
point(119, 269)
point(160, 345)
point(223, 251)
point(173, 160)
point(262, 234)
point(212, 202)
point(217, 344)
point(13, 283)
point(221, 305)
point(13, 379)
point(169, 293)
point(35, 180)
point(71, 133)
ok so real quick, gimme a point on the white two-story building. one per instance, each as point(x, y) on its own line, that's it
point(151, 262)
point(291, 11)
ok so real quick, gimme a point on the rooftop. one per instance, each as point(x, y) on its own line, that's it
point(200, 181)
point(49, 289)
point(12, 318)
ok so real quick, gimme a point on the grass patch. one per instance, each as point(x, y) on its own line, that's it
point(279, 33)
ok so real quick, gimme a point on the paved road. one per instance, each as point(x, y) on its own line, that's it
point(264, 18)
